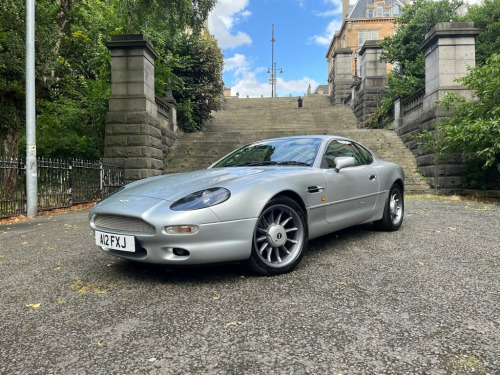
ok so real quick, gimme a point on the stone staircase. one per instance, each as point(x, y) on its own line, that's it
point(247, 120)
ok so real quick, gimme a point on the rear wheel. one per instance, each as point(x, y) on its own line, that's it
point(280, 238)
point(393, 210)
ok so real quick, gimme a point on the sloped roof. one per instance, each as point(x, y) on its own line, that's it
point(322, 87)
point(358, 10)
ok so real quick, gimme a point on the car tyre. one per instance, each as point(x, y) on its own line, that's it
point(393, 210)
point(280, 238)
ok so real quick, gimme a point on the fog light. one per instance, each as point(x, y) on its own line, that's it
point(181, 229)
point(180, 252)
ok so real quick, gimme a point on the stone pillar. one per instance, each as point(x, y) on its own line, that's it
point(370, 66)
point(172, 105)
point(133, 134)
point(342, 80)
point(373, 81)
point(449, 49)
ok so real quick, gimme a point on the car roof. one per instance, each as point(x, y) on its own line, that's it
point(313, 136)
point(322, 137)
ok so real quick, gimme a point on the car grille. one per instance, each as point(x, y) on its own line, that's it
point(123, 224)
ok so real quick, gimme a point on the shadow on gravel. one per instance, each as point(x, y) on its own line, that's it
point(334, 241)
point(154, 273)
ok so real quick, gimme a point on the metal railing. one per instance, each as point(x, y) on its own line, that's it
point(61, 183)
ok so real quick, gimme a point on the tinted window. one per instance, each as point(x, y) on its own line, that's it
point(294, 151)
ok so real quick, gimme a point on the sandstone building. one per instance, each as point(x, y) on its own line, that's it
point(362, 20)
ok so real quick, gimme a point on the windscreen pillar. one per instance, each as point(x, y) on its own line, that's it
point(133, 134)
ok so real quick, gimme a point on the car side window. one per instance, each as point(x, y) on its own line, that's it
point(338, 148)
point(364, 154)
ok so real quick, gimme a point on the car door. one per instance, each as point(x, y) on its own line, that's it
point(351, 191)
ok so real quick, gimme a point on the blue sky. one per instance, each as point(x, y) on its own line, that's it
point(303, 31)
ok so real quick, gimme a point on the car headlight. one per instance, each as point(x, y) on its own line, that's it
point(201, 199)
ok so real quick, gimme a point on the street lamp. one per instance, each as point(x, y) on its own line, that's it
point(272, 70)
point(31, 167)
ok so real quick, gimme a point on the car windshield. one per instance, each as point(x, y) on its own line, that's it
point(292, 151)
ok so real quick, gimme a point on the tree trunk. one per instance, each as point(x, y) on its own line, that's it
point(9, 142)
point(62, 20)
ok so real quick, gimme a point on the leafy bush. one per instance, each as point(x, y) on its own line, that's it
point(474, 127)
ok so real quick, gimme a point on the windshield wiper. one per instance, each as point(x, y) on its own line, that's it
point(251, 163)
point(266, 162)
point(293, 162)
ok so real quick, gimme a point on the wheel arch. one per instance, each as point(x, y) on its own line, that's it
point(293, 196)
point(401, 184)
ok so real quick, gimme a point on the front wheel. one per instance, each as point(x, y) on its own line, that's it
point(393, 210)
point(280, 238)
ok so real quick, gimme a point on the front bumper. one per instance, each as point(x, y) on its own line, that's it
point(216, 242)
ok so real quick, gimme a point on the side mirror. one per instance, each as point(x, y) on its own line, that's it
point(344, 162)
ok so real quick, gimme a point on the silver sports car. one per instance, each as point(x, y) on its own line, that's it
point(258, 205)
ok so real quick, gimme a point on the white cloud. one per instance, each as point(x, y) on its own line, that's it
point(238, 64)
point(295, 87)
point(223, 18)
point(334, 25)
point(325, 38)
point(247, 83)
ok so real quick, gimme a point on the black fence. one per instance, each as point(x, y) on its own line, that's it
point(61, 183)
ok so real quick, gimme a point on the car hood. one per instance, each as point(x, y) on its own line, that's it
point(175, 186)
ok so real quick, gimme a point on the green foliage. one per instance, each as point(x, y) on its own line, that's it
point(416, 20)
point(474, 127)
point(486, 17)
point(403, 49)
point(73, 66)
point(200, 70)
point(163, 16)
point(186, 118)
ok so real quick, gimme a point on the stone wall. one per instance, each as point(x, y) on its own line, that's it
point(449, 49)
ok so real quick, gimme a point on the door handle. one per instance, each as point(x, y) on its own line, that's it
point(373, 177)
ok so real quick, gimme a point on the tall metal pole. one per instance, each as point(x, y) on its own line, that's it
point(31, 169)
point(273, 68)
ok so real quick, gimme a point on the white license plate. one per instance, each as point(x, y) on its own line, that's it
point(115, 241)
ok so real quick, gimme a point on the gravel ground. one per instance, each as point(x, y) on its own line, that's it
point(423, 300)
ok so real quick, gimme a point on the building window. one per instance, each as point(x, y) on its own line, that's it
point(387, 12)
point(364, 35)
point(379, 10)
point(395, 9)
point(370, 13)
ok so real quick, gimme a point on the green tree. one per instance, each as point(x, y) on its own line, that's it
point(12, 61)
point(403, 49)
point(168, 16)
point(474, 127)
point(486, 17)
point(200, 71)
point(72, 65)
